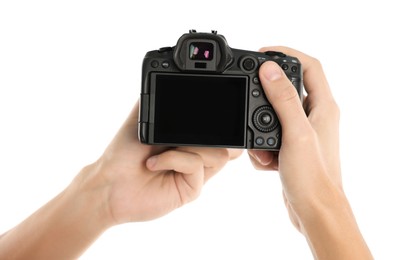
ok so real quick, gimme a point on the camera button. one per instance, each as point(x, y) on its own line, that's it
point(255, 93)
point(249, 64)
point(284, 66)
point(295, 81)
point(294, 69)
point(259, 141)
point(165, 49)
point(165, 64)
point(275, 54)
point(271, 141)
point(154, 64)
point(256, 80)
point(265, 119)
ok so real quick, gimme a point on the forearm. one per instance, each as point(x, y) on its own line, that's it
point(61, 229)
point(331, 229)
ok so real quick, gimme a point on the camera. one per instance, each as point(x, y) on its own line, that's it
point(201, 92)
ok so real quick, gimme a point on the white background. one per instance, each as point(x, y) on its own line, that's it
point(70, 74)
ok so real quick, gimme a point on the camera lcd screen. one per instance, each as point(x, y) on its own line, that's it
point(200, 109)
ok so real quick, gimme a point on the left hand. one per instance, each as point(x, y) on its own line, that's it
point(141, 182)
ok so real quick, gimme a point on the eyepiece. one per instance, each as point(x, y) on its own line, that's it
point(201, 51)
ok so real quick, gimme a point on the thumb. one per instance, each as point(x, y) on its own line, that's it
point(284, 98)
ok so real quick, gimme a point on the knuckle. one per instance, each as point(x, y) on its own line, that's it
point(223, 155)
point(333, 110)
point(235, 153)
point(168, 158)
point(189, 162)
point(328, 111)
point(170, 154)
point(195, 194)
point(316, 63)
point(219, 158)
point(196, 161)
point(281, 90)
point(288, 93)
point(305, 138)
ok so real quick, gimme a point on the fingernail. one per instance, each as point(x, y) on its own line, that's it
point(272, 71)
point(151, 162)
point(257, 158)
point(263, 161)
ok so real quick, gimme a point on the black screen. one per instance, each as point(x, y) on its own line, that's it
point(200, 109)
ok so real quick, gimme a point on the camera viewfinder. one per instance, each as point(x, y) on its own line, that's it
point(201, 51)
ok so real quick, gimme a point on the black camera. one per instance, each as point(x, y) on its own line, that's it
point(201, 92)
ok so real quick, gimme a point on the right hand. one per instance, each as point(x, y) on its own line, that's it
point(308, 159)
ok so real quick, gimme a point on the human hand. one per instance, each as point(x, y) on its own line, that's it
point(309, 155)
point(129, 182)
point(141, 182)
point(308, 161)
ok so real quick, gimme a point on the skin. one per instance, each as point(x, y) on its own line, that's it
point(129, 182)
point(308, 161)
point(134, 182)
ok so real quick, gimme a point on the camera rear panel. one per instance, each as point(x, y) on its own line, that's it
point(203, 93)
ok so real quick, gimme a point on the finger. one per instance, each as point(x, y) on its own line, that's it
point(214, 159)
point(179, 161)
point(262, 157)
point(234, 153)
point(284, 99)
point(320, 98)
point(189, 164)
point(264, 160)
point(128, 133)
point(132, 119)
point(320, 106)
point(315, 82)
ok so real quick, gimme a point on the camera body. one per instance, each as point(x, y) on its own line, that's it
point(201, 92)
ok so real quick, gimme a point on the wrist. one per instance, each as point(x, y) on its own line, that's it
point(328, 198)
point(70, 223)
point(92, 190)
point(327, 221)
